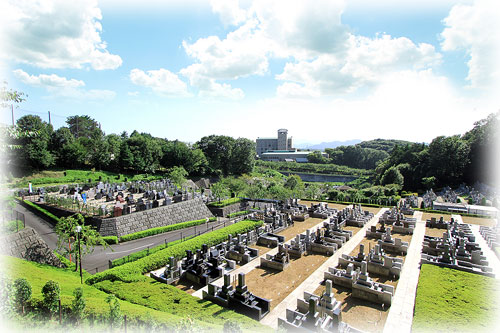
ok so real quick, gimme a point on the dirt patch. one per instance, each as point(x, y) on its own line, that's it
point(187, 286)
point(262, 249)
point(428, 216)
point(434, 232)
point(360, 314)
point(479, 220)
point(353, 229)
point(299, 227)
point(373, 210)
point(276, 285)
point(330, 205)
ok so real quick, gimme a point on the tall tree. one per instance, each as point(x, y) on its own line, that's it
point(35, 149)
point(217, 149)
point(82, 126)
point(242, 156)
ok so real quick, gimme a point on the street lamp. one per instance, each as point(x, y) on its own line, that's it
point(78, 231)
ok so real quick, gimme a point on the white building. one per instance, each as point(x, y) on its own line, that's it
point(282, 142)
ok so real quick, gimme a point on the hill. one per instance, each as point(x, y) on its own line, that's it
point(382, 144)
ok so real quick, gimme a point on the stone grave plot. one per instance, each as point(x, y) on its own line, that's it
point(321, 210)
point(315, 313)
point(456, 249)
point(399, 222)
point(297, 211)
point(406, 206)
point(239, 299)
point(308, 203)
point(492, 237)
point(356, 216)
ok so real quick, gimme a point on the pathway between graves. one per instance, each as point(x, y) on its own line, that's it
point(252, 264)
point(400, 317)
point(493, 261)
point(315, 279)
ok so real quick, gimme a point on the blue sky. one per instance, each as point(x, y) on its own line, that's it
point(326, 70)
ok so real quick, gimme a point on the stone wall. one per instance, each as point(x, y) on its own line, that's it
point(27, 244)
point(183, 211)
point(225, 211)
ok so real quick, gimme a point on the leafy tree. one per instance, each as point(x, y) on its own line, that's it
point(429, 182)
point(218, 150)
point(9, 96)
point(114, 147)
point(73, 155)
point(146, 152)
point(178, 175)
point(59, 138)
point(392, 176)
point(115, 315)
point(235, 185)
point(316, 157)
point(22, 292)
point(78, 304)
point(313, 191)
point(83, 126)
point(89, 237)
point(242, 157)
point(219, 190)
point(448, 157)
point(126, 158)
point(35, 149)
point(51, 294)
point(255, 191)
point(295, 185)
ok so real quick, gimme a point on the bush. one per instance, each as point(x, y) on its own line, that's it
point(240, 213)
point(40, 210)
point(12, 226)
point(115, 314)
point(22, 292)
point(224, 203)
point(160, 230)
point(78, 304)
point(110, 239)
point(51, 293)
point(133, 272)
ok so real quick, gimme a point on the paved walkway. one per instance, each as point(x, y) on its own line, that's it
point(400, 316)
point(251, 265)
point(493, 261)
point(315, 279)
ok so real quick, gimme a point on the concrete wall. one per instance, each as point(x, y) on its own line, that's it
point(27, 244)
point(184, 211)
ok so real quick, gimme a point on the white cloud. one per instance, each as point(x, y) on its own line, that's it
point(208, 87)
point(161, 81)
point(63, 87)
point(133, 93)
point(474, 28)
point(364, 61)
point(47, 81)
point(229, 11)
point(56, 34)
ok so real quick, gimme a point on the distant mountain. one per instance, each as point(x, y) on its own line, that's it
point(323, 145)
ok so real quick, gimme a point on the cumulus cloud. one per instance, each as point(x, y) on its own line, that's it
point(474, 28)
point(63, 87)
point(161, 81)
point(56, 34)
point(229, 11)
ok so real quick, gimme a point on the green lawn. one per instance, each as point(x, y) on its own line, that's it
point(450, 300)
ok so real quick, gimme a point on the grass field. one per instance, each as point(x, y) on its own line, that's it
point(450, 300)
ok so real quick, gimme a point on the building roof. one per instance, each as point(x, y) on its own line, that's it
point(267, 139)
point(483, 208)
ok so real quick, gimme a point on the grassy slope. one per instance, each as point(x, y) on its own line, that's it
point(39, 274)
point(164, 297)
point(451, 300)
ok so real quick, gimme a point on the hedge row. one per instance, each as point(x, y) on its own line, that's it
point(242, 212)
point(110, 239)
point(224, 203)
point(444, 212)
point(133, 272)
point(160, 230)
point(146, 252)
point(41, 210)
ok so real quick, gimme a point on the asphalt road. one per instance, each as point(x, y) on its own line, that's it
point(98, 261)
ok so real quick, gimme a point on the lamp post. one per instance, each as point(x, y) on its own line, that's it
point(78, 231)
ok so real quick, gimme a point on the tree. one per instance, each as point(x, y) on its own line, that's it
point(313, 191)
point(83, 126)
point(392, 176)
point(89, 237)
point(429, 182)
point(295, 185)
point(60, 138)
point(242, 156)
point(448, 158)
point(316, 157)
point(178, 175)
point(51, 294)
point(219, 190)
point(9, 96)
point(22, 292)
point(78, 304)
point(115, 315)
point(217, 149)
point(35, 149)
point(255, 191)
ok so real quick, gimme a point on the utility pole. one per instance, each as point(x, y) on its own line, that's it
point(12, 109)
point(49, 118)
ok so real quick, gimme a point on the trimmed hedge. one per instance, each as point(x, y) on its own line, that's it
point(110, 239)
point(242, 212)
point(224, 203)
point(160, 230)
point(146, 252)
point(133, 272)
point(41, 210)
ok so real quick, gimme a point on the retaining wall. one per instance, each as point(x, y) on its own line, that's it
point(183, 211)
point(27, 244)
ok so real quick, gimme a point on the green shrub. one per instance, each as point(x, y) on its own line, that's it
point(38, 209)
point(224, 203)
point(146, 252)
point(22, 292)
point(160, 230)
point(110, 239)
point(236, 214)
point(51, 294)
point(132, 272)
point(78, 304)
point(12, 226)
